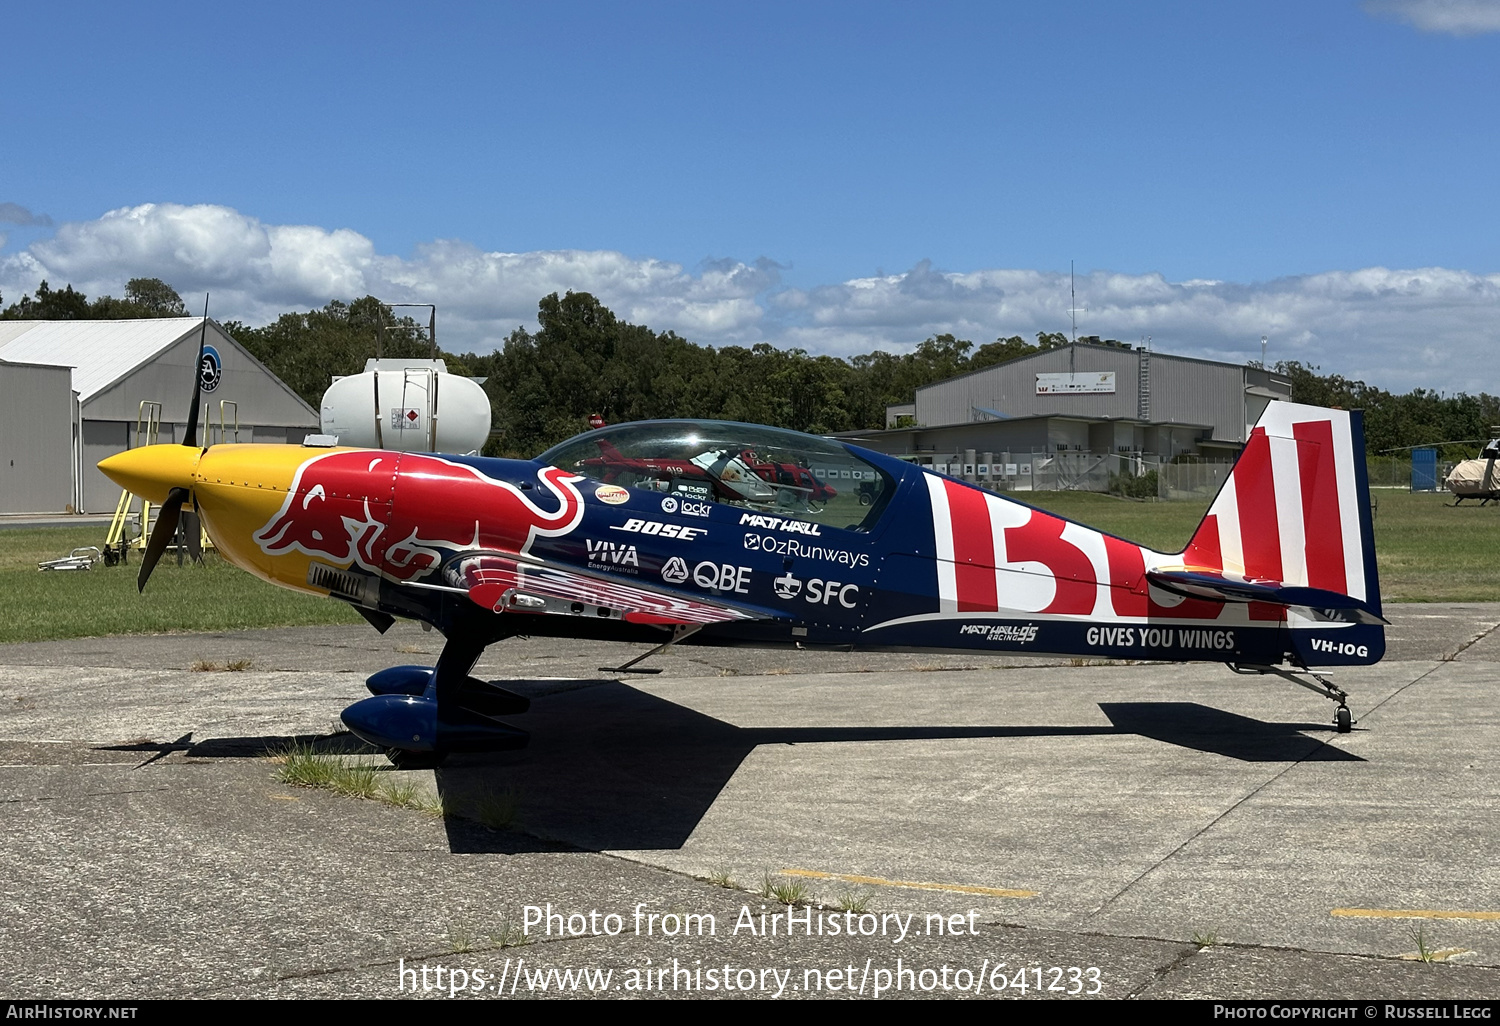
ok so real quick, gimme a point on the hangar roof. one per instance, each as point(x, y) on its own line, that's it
point(100, 352)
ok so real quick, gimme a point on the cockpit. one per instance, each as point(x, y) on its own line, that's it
point(757, 468)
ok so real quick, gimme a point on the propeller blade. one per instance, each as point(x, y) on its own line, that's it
point(161, 534)
point(193, 533)
point(191, 437)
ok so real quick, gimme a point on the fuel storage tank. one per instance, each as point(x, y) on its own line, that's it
point(407, 406)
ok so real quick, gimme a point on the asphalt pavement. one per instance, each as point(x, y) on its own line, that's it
point(983, 823)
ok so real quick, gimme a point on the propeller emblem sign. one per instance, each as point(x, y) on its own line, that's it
point(209, 371)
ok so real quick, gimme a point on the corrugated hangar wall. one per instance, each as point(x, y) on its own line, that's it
point(1010, 388)
point(36, 438)
point(1181, 390)
point(1199, 392)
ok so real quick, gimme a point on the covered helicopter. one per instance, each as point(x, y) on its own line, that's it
point(1478, 478)
point(594, 539)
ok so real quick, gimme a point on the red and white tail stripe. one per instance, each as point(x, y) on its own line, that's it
point(1290, 510)
point(1289, 514)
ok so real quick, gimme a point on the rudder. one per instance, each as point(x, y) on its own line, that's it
point(1294, 521)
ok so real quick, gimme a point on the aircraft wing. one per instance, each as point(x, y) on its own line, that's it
point(1213, 584)
point(506, 583)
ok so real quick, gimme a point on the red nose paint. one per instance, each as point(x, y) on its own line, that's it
point(402, 514)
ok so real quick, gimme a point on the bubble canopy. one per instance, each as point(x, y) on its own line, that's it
point(751, 466)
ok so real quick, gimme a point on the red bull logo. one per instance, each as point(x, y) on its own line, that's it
point(401, 514)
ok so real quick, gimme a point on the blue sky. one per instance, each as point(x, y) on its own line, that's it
point(833, 176)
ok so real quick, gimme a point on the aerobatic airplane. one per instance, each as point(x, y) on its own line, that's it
point(594, 539)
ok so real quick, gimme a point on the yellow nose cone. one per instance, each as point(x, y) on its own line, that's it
point(153, 470)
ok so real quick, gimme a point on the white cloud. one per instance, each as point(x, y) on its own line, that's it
point(1400, 329)
point(1452, 17)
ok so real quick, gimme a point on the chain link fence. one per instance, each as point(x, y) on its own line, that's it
point(1133, 475)
point(1196, 481)
point(1137, 475)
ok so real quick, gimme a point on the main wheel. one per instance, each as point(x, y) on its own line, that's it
point(1342, 720)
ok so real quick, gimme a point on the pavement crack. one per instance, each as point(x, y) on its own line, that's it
point(86, 794)
point(1160, 973)
point(1470, 643)
point(1267, 783)
point(1413, 682)
point(1317, 746)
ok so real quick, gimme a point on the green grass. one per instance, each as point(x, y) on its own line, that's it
point(1205, 939)
point(1424, 952)
point(787, 892)
point(304, 765)
point(36, 606)
point(493, 808)
point(853, 901)
point(1431, 552)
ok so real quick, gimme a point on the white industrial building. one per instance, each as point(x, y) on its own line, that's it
point(71, 394)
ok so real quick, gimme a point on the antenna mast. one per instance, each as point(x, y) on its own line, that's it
point(1073, 308)
point(1073, 302)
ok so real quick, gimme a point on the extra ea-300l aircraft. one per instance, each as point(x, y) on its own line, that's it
point(857, 550)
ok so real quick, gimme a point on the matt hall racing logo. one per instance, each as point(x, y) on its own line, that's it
point(1015, 633)
point(780, 524)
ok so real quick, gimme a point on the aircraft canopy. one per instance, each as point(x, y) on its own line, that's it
point(758, 468)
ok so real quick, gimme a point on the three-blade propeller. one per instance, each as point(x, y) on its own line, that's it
point(170, 514)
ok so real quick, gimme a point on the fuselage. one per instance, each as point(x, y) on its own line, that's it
point(901, 558)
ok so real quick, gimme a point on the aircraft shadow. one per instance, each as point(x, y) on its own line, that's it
point(613, 768)
point(241, 747)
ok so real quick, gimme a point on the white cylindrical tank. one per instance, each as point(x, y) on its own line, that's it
point(407, 406)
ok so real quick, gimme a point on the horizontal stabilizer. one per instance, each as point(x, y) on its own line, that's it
point(1320, 603)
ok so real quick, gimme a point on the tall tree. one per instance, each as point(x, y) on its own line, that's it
point(155, 296)
point(50, 305)
point(144, 297)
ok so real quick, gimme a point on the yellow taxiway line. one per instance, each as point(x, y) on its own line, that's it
point(917, 885)
point(1409, 913)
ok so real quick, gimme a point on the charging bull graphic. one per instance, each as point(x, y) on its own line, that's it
point(401, 514)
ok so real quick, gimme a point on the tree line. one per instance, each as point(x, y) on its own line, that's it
point(583, 360)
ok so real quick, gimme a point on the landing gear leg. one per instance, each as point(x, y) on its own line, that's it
point(1343, 721)
point(448, 677)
